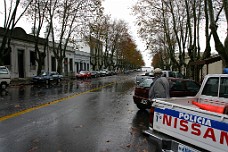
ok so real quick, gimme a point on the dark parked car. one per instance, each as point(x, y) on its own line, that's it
point(95, 74)
point(83, 75)
point(47, 77)
point(179, 88)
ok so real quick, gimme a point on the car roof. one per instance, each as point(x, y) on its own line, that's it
point(179, 79)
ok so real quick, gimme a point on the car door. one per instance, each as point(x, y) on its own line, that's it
point(192, 87)
point(55, 75)
point(52, 76)
point(178, 89)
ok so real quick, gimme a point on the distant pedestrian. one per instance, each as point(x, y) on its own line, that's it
point(160, 87)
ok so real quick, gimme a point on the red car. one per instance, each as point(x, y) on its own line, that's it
point(83, 75)
point(180, 88)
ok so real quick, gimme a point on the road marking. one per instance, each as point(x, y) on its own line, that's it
point(52, 102)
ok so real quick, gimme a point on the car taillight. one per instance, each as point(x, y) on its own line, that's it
point(151, 118)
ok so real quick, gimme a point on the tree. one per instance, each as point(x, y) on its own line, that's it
point(157, 61)
point(37, 13)
point(155, 20)
point(172, 28)
point(128, 55)
point(11, 18)
point(221, 48)
point(98, 32)
point(115, 31)
point(72, 16)
point(111, 33)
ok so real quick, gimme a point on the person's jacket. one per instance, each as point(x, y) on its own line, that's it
point(159, 88)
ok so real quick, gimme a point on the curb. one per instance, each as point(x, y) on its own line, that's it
point(27, 81)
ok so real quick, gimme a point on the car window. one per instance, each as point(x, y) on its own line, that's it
point(149, 74)
point(44, 74)
point(164, 74)
point(176, 74)
point(211, 87)
point(192, 86)
point(224, 88)
point(177, 86)
point(3, 70)
point(146, 83)
point(171, 74)
point(179, 75)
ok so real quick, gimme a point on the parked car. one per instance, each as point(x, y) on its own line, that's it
point(83, 75)
point(5, 77)
point(94, 74)
point(179, 88)
point(103, 73)
point(108, 73)
point(175, 74)
point(126, 71)
point(47, 77)
point(142, 77)
point(113, 72)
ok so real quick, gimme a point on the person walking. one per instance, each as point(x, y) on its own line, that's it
point(160, 87)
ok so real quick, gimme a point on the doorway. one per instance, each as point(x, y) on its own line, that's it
point(21, 63)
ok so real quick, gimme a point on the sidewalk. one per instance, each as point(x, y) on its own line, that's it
point(27, 81)
point(20, 81)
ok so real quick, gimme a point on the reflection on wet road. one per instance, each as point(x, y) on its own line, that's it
point(18, 98)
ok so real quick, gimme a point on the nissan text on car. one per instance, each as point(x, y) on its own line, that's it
point(192, 124)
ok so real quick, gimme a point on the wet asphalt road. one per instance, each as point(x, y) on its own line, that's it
point(96, 115)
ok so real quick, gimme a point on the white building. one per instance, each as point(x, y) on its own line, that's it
point(21, 61)
point(82, 57)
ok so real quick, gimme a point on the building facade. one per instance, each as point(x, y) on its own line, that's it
point(21, 61)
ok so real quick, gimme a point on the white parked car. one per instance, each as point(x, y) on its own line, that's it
point(5, 77)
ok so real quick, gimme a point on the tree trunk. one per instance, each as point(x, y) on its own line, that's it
point(60, 65)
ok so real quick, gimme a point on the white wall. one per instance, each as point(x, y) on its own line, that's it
point(215, 68)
